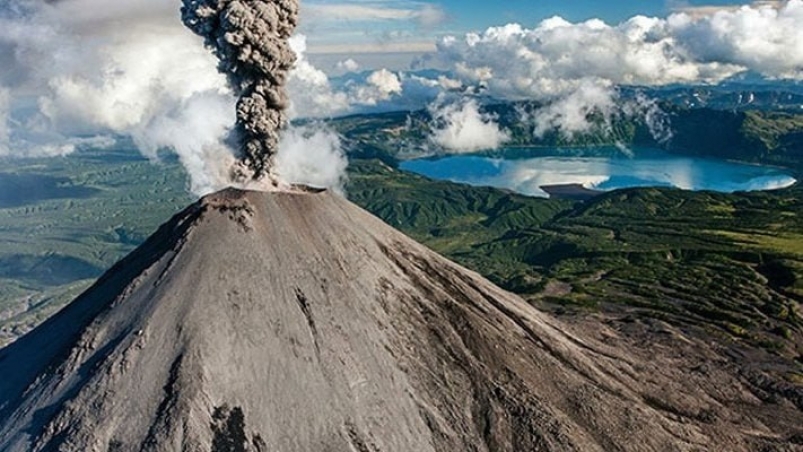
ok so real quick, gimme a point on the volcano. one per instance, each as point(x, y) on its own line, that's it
point(284, 321)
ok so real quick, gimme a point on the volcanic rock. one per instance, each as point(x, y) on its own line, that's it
point(298, 322)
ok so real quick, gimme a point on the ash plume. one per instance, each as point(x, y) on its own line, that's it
point(251, 40)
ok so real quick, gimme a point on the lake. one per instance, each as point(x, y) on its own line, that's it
point(645, 168)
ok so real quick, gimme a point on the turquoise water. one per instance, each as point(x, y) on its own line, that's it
point(644, 169)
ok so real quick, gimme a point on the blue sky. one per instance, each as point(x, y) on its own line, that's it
point(479, 14)
point(357, 26)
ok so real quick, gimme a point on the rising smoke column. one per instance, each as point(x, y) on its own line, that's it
point(251, 40)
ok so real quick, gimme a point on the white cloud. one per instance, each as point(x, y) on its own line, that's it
point(648, 110)
point(311, 94)
point(76, 70)
point(575, 67)
point(348, 65)
point(461, 127)
point(592, 108)
point(385, 82)
point(311, 155)
point(380, 86)
point(409, 45)
point(196, 130)
point(447, 83)
point(570, 113)
point(141, 76)
point(766, 39)
point(557, 56)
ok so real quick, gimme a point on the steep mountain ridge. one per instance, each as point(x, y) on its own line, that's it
point(297, 321)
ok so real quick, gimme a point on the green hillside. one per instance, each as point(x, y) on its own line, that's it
point(65, 220)
point(728, 262)
point(766, 137)
point(728, 266)
point(759, 137)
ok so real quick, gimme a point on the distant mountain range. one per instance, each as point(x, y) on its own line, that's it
point(735, 95)
point(746, 92)
point(751, 135)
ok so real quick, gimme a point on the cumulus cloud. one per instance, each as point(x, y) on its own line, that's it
point(574, 67)
point(767, 39)
point(309, 89)
point(71, 70)
point(592, 108)
point(381, 86)
point(348, 65)
point(556, 57)
point(570, 114)
point(140, 81)
point(312, 155)
point(313, 95)
point(461, 127)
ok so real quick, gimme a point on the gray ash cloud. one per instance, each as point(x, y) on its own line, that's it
point(251, 40)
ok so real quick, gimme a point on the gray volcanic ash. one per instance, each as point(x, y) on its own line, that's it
point(298, 322)
point(251, 40)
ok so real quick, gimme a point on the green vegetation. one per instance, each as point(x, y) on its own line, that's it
point(773, 138)
point(453, 219)
point(728, 264)
point(63, 221)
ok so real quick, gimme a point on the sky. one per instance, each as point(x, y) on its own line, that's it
point(357, 26)
point(77, 73)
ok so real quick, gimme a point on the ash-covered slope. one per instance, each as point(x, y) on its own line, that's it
point(299, 322)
